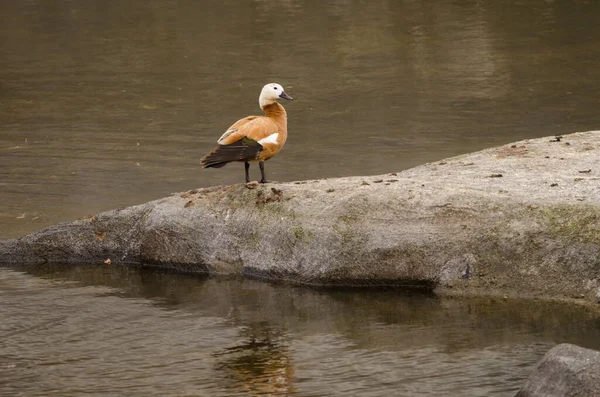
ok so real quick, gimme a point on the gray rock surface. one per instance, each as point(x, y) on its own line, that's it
point(566, 370)
point(519, 219)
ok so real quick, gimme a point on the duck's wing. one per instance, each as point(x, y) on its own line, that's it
point(245, 149)
point(241, 142)
point(253, 127)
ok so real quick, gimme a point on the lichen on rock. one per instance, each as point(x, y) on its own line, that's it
point(446, 226)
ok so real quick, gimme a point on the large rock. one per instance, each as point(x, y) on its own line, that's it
point(566, 370)
point(520, 219)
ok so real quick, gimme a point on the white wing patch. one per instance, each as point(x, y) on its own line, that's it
point(225, 135)
point(270, 139)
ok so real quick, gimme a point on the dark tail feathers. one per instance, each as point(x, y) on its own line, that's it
point(242, 150)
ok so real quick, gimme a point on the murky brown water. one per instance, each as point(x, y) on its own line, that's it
point(107, 330)
point(109, 104)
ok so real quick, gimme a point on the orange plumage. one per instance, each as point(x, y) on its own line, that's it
point(253, 138)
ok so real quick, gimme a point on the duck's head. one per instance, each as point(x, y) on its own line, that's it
point(271, 93)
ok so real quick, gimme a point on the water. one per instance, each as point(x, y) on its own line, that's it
point(109, 104)
point(108, 330)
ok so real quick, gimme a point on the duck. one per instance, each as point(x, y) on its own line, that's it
point(253, 138)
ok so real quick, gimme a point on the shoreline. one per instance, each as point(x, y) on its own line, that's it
point(521, 220)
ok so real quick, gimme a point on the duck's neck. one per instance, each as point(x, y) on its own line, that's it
point(277, 112)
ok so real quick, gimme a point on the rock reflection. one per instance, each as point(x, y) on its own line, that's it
point(389, 319)
point(190, 335)
point(261, 364)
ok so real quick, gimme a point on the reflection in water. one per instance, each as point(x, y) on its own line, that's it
point(146, 333)
point(107, 104)
point(103, 106)
point(261, 363)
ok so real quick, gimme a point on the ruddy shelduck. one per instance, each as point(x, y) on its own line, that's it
point(253, 138)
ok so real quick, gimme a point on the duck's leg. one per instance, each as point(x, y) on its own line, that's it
point(263, 178)
point(247, 168)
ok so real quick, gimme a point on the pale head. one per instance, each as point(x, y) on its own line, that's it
point(271, 93)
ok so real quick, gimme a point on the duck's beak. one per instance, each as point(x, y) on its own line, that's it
point(285, 96)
